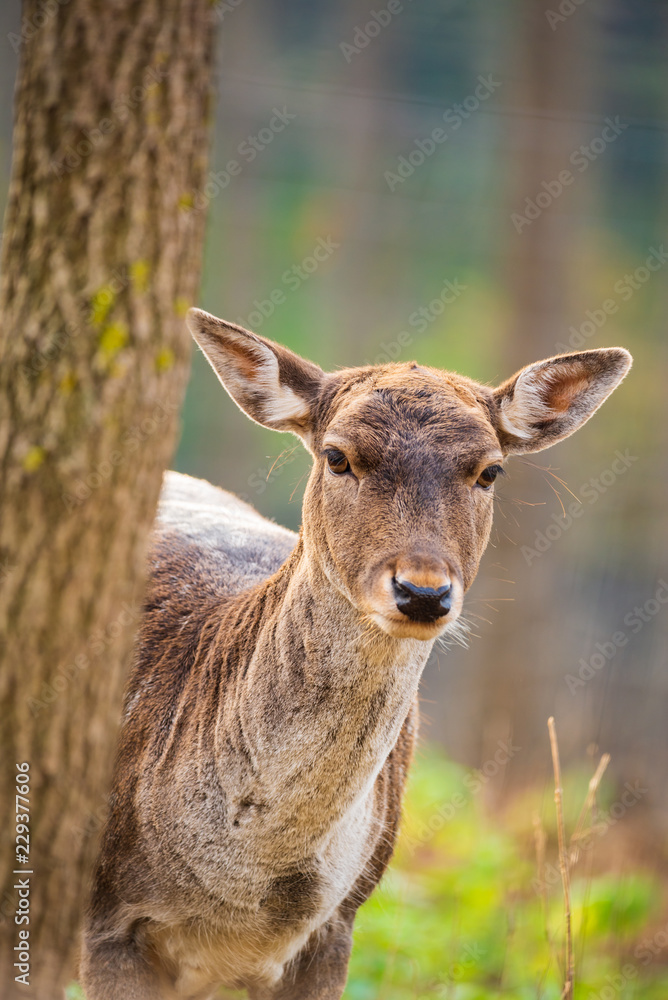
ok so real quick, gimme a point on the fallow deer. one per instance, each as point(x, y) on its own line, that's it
point(271, 711)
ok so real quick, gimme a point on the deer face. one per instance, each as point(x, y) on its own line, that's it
point(399, 503)
point(398, 506)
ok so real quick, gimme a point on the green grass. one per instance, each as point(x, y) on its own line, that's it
point(459, 917)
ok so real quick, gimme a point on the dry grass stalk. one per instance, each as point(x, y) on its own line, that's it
point(587, 809)
point(567, 992)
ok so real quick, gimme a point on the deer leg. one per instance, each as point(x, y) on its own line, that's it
point(119, 969)
point(319, 971)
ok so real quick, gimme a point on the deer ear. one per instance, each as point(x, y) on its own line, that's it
point(547, 401)
point(273, 386)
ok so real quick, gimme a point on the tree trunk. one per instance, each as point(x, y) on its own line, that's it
point(101, 257)
point(553, 87)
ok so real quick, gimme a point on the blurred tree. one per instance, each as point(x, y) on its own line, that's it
point(552, 88)
point(101, 256)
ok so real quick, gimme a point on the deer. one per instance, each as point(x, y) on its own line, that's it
point(271, 710)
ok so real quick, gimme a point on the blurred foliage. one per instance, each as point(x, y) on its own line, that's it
point(458, 917)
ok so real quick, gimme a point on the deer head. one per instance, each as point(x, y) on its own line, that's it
point(398, 506)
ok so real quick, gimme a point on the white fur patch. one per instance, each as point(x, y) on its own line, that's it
point(562, 393)
point(528, 405)
point(249, 369)
point(281, 403)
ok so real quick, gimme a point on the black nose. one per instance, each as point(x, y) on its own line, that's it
point(422, 604)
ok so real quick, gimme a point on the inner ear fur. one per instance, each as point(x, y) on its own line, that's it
point(269, 382)
point(546, 401)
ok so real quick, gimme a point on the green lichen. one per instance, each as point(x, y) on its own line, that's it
point(186, 202)
point(139, 272)
point(101, 303)
point(164, 359)
point(113, 339)
point(67, 383)
point(181, 306)
point(33, 458)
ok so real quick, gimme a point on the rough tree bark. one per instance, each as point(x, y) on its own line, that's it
point(101, 257)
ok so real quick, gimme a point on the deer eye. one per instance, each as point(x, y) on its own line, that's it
point(337, 462)
point(486, 478)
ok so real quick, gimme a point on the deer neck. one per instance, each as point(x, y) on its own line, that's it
point(323, 697)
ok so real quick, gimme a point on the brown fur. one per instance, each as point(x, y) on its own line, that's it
point(271, 712)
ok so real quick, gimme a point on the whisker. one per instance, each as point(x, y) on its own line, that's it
point(548, 470)
point(480, 617)
point(287, 452)
point(558, 496)
point(299, 482)
point(457, 633)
